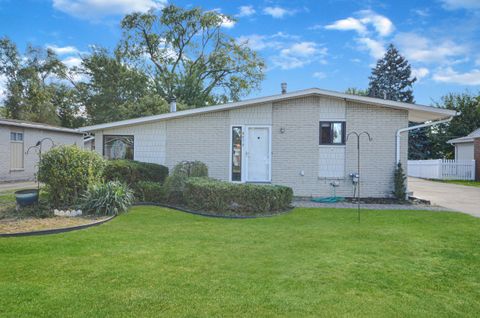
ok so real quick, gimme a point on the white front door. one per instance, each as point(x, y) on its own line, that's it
point(258, 154)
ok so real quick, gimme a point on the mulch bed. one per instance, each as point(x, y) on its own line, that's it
point(20, 225)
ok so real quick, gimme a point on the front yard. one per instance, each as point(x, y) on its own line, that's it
point(311, 262)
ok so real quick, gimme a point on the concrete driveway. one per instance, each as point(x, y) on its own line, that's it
point(452, 196)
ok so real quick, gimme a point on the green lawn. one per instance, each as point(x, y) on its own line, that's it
point(462, 182)
point(155, 262)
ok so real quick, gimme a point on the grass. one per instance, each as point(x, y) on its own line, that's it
point(462, 182)
point(155, 262)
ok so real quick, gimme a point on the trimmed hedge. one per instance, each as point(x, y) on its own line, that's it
point(175, 183)
point(148, 191)
point(131, 172)
point(225, 198)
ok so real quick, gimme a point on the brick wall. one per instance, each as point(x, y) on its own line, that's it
point(476, 156)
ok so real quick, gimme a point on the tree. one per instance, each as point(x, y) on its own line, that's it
point(391, 78)
point(189, 56)
point(467, 121)
point(111, 90)
point(356, 91)
point(30, 82)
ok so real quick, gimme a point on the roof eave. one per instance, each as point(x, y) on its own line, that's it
point(417, 113)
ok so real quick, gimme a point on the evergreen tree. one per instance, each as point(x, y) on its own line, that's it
point(391, 78)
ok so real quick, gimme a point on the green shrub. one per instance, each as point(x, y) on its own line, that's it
point(108, 198)
point(399, 179)
point(222, 197)
point(130, 171)
point(67, 172)
point(175, 183)
point(148, 191)
point(191, 169)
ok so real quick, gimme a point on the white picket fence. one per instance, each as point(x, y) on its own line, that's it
point(442, 169)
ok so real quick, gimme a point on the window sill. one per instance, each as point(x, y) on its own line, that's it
point(16, 170)
point(333, 145)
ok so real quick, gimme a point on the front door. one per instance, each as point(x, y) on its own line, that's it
point(258, 154)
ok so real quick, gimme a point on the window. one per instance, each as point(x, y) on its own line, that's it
point(16, 151)
point(236, 153)
point(16, 136)
point(118, 147)
point(332, 133)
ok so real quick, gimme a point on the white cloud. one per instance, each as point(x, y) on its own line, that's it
point(375, 48)
point(94, 9)
point(300, 54)
point(277, 12)
point(347, 24)
point(461, 4)
point(72, 61)
point(365, 19)
point(421, 49)
point(65, 50)
point(420, 72)
point(382, 24)
point(246, 11)
point(227, 23)
point(257, 42)
point(319, 75)
point(448, 75)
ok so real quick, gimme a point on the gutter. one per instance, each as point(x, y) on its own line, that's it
point(397, 152)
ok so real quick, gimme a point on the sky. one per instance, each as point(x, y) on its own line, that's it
point(331, 44)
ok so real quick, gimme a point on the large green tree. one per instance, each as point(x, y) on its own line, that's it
point(30, 80)
point(392, 77)
point(468, 105)
point(111, 90)
point(189, 56)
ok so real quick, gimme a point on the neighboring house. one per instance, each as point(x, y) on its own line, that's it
point(468, 148)
point(464, 146)
point(17, 136)
point(297, 139)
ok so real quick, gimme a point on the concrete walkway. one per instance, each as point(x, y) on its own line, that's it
point(12, 186)
point(455, 197)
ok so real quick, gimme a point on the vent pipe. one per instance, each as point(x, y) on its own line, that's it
point(173, 105)
point(284, 88)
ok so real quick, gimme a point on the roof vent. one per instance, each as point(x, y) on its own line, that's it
point(284, 88)
point(173, 105)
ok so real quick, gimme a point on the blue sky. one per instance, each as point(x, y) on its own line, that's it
point(328, 44)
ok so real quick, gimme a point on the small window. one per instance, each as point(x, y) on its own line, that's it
point(16, 136)
point(118, 147)
point(236, 153)
point(332, 133)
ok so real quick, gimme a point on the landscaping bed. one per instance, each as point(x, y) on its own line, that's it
point(22, 225)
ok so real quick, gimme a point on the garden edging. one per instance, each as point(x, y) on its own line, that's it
point(183, 209)
point(57, 231)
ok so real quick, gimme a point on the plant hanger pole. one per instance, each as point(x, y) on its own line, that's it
point(358, 135)
point(38, 147)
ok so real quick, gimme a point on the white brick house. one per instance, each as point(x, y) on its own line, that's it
point(296, 139)
point(17, 136)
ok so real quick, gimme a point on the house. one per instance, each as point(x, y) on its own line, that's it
point(468, 148)
point(17, 163)
point(298, 139)
point(464, 146)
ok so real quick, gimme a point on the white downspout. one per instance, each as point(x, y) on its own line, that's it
point(397, 153)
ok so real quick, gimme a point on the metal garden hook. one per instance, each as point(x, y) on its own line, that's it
point(358, 135)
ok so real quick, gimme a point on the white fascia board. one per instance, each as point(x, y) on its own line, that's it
point(418, 113)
